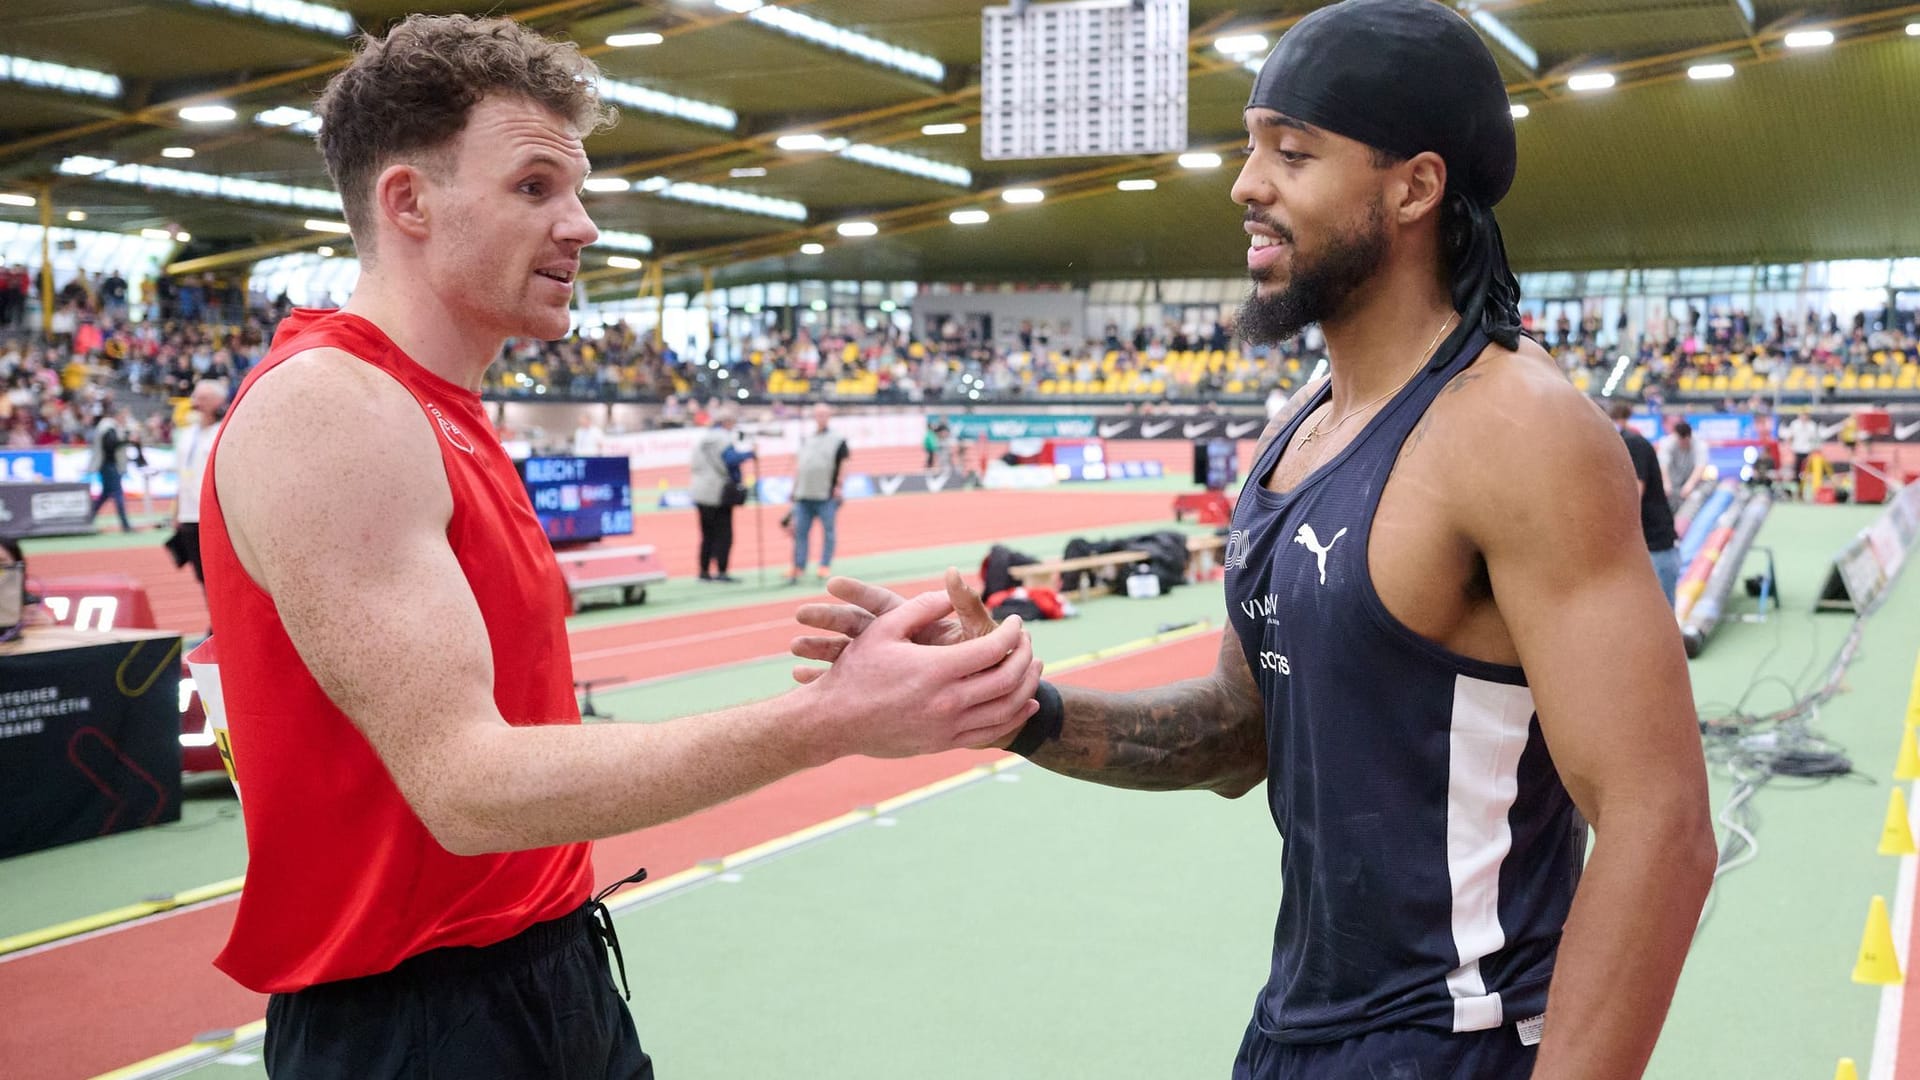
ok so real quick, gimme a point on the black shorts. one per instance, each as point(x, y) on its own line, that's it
point(539, 1005)
point(1390, 1054)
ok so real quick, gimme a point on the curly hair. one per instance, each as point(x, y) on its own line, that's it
point(409, 94)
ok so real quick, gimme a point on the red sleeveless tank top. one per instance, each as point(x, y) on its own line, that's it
point(343, 880)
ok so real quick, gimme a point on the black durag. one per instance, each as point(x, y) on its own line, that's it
point(1405, 77)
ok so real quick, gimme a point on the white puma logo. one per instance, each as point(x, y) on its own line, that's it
point(1312, 543)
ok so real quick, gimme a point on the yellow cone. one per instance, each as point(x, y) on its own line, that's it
point(1908, 767)
point(1846, 1071)
point(1896, 836)
point(1913, 698)
point(1877, 966)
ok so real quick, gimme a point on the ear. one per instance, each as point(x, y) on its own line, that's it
point(401, 198)
point(1420, 187)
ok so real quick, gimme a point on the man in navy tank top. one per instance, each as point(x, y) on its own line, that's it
point(1449, 651)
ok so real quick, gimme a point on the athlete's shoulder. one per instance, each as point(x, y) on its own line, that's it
point(1508, 409)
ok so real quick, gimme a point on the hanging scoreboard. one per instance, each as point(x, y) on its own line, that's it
point(1083, 79)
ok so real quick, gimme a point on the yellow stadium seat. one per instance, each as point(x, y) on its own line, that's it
point(1236, 387)
point(1686, 381)
point(1047, 386)
point(1829, 381)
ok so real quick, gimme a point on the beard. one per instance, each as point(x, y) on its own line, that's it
point(1320, 285)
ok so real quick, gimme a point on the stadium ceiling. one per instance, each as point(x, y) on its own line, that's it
point(1799, 151)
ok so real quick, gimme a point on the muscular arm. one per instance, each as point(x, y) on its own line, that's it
point(1556, 523)
point(1207, 733)
point(337, 501)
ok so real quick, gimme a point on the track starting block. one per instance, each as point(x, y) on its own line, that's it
point(610, 575)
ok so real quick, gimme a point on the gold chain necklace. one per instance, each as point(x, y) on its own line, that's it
point(1316, 432)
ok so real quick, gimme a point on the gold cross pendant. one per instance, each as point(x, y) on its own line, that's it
point(1304, 443)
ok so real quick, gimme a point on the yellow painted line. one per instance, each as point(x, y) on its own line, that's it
point(173, 1062)
point(116, 916)
point(192, 1055)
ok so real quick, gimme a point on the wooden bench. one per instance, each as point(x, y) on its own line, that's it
point(626, 571)
point(1052, 568)
point(1201, 553)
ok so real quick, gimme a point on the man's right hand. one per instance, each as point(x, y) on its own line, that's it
point(915, 678)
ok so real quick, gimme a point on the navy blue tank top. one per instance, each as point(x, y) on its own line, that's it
point(1429, 851)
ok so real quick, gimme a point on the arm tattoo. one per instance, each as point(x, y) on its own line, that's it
point(1207, 733)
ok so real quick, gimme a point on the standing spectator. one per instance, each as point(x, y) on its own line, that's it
point(589, 437)
point(816, 492)
point(930, 442)
point(191, 445)
point(1803, 438)
point(717, 490)
point(110, 445)
point(1656, 516)
point(1683, 462)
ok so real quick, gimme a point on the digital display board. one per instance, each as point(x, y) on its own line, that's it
point(580, 498)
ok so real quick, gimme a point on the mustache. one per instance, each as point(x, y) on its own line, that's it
point(1255, 217)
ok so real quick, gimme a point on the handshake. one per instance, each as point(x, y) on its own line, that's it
point(913, 676)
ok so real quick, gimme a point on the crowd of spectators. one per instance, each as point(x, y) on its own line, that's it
point(197, 327)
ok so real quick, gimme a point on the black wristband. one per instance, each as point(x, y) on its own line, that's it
point(1044, 727)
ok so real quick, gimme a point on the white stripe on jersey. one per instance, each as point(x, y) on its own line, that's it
point(1484, 744)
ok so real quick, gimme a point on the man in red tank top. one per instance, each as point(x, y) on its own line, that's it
point(393, 673)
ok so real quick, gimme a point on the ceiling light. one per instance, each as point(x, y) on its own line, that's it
point(317, 225)
point(1241, 44)
point(1023, 195)
point(1520, 112)
point(182, 236)
point(76, 215)
point(818, 305)
point(943, 129)
point(1913, 29)
point(1199, 161)
point(912, 164)
point(207, 114)
point(1500, 32)
point(156, 234)
point(747, 173)
point(737, 6)
point(1589, 81)
point(1809, 39)
point(857, 228)
point(624, 241)
point(1704, 72)
point(1138, 185)
point(664, 104)
point(8, 198)
point(325, 252)
point(177, 152)
point(628, 41)
point(812, 249)
point(286, 116)
point(51, 76)
point(607, 183)
point(623, 262)
point(858, 45)
point(298, 13)
point(809, 141)
point(968, 217)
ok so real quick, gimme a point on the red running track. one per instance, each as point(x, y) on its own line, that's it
point(103, 1002)
point(865, 527)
